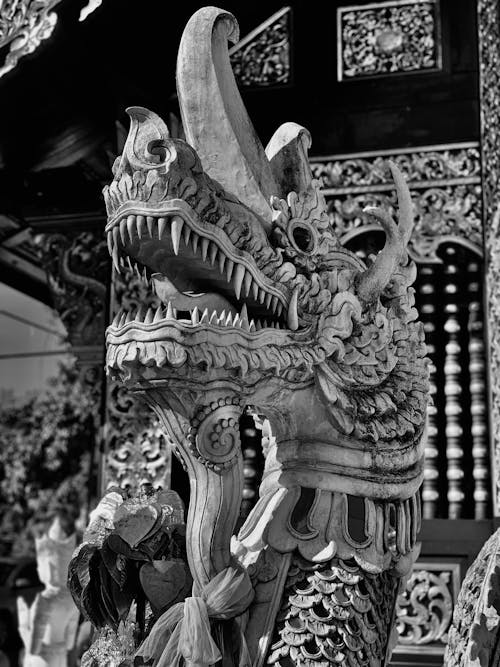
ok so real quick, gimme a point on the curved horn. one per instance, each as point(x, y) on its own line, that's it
point(287, 152)
point(372, 282)
point(214, 117)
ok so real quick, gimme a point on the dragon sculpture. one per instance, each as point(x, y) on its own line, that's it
point(265, 312)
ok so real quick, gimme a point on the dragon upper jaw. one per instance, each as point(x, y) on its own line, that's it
point(183, 256)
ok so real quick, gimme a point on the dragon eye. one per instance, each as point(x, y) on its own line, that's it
point(302, 238)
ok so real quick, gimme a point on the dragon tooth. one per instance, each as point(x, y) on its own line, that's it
point(150, 223)
point(116, 319)
point(195, 316)
point(229, 320)
point(129, 318)
point(292, 317)
point(149, 316)
point(170, 312)
point(141, 313)
point(222, 317)
point(248, 282)
point(162, 223)
point(213, 317)
point(115, 259)
point(274, 303)
point(213, 253)
point(131, 226)
point(204, 317)
point(129, 262)
point(239, 274)
point(222, 261)
point(123, 230)
point(280, 309)
point(187, 233)
point(194, 241)
point(262, 296)
point(176, 230)
point(269, 298)
point(244, 312)
point(144, 275)
point(229, 269)
point(110, 242)
point(123, 319)
point(252, 327)
point(158, 314)
point(204, 248)
point(236, 321)
point(116, 234)
point(255, 290)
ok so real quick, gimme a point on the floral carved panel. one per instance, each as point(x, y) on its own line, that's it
point(262, 58)
point(425, 606)
point(388, 38)
point(444, 181)
point(137, 452)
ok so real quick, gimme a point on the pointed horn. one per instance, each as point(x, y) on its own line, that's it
point(373, 281)
point(288, 155)
point(214, 117)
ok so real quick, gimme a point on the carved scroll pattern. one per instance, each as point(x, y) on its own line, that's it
point(445, 184)
point(388, 38)
point(137, 451)
point(77, 268)
point(23, 25)
point(262, 58)
point(425, 607)
point(489, 81)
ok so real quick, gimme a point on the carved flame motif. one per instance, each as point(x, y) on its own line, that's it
point(262, 307)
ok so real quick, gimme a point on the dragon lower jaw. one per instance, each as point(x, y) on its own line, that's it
point(197, 269)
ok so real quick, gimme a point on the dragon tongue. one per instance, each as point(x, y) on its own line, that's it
point(292, 317)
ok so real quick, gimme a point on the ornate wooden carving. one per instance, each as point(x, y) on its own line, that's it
point(78, 268)
point(391, 37)
point(137, 453)
point(473, 637)
point(489, 59)
point(263, 57)
point(425, 606)
point(445, 183)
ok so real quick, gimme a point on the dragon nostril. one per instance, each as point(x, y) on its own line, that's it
point(303, 238)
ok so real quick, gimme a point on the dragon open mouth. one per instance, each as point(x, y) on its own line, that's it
point(199, 275)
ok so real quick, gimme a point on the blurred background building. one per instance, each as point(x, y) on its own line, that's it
point(416, 81)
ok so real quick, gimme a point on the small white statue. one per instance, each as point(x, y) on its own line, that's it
point(48, 627)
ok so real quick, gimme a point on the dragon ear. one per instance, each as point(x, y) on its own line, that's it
point(214, 117)
point(147, 144)
point(287, 154)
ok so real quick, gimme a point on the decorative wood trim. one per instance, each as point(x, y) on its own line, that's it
point(388, 38)
point(489, 87)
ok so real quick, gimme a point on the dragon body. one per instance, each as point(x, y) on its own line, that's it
point(264, 312)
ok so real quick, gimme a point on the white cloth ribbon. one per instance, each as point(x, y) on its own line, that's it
point(183, 631)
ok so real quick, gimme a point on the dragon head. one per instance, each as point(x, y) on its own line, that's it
point(254, 283)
